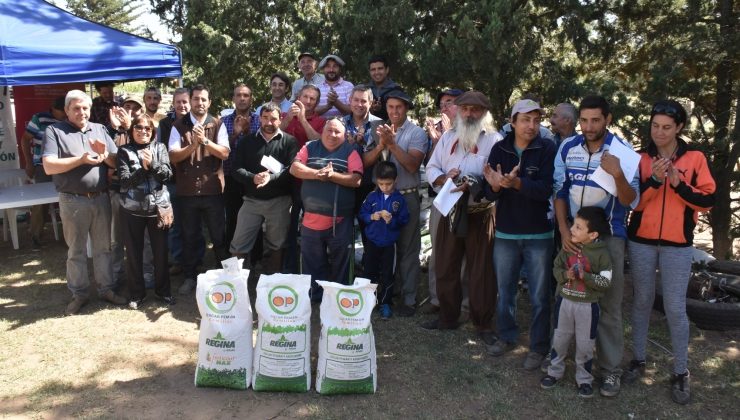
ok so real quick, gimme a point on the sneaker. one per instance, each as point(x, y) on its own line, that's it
point(500, 347)
point(385, 311)
point(680, 392)
point(136, 303)
point(187, 286)
point(406, 311)
point(545, 363)
point(489, 337)
point(635, 371)
point(169, 300)
point(533, 361)
point(113, 298)
point(74, 306)
point(433, 324)
point(610, 386)
point(548, 382)
point(585, 391)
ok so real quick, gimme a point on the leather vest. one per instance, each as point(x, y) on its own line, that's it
point(201, 173)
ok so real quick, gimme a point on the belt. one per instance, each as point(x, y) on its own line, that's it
point(409, 190)
point(87, 194)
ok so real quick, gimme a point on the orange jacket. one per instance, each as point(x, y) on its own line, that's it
point(668, 215)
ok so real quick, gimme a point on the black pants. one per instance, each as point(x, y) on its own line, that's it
point(379, 269)
point(232, 203)
point(209, 208)
point(133, 239)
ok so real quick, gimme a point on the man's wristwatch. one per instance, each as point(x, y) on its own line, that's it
point(206, 142)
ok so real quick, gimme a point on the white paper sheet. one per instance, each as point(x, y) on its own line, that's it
point(271, 164)
point(446, 199)
point(629, 160)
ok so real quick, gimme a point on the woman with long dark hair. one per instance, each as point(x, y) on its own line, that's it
point(675, 185)
point(143, 169)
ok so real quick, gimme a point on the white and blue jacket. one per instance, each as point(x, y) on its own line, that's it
point(574, 165)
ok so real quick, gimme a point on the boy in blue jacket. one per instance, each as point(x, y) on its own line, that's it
point(384, 212)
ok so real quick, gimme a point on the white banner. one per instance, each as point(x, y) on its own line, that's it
point(9, 158)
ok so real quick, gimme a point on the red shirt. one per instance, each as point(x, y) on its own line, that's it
point(296, 130)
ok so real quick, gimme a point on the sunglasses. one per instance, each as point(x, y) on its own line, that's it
point(667, 109)
point(143, 128)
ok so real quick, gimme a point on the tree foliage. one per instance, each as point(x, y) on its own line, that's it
point(118, 14)
point(634, 52)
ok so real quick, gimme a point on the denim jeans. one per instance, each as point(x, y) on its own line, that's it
point(536, 256)
point(82, 216)
point(326, 254)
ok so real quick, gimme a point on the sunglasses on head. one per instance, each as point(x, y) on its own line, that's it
point(667, 109)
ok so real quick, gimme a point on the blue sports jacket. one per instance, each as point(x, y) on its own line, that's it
point(380, 233)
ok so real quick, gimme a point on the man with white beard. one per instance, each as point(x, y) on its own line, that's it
point(467, 231)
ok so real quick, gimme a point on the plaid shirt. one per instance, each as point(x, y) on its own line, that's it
point(228, 122)
point(343, 89)
point(37, 127)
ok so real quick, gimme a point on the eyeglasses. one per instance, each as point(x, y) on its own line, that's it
point(143, 128)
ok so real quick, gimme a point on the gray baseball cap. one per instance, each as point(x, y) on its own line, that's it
point(331, 57)
point(524, 106)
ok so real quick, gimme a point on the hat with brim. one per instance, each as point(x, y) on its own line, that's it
point(331, 57)
point(307, 54)
point(473, 98)
point(134, 99)
point(400, 95)
point(449, 92)
point(524, 106)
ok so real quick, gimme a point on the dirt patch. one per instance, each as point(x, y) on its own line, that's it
point(114, 362)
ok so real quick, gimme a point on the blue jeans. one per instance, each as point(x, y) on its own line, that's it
point(332, 265)
point(536, 257)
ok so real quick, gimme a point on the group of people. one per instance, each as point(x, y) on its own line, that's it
point(341, 154)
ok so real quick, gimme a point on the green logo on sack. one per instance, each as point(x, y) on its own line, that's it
point(221, 297)
point(282, 299)
point(350, 345)
point(350, 302)
point(220, 342)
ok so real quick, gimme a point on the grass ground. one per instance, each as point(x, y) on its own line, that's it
point(118, 363)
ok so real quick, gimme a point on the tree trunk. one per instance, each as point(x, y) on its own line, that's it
point(723, 162)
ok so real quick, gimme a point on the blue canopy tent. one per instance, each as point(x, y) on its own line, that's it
point(43, 44)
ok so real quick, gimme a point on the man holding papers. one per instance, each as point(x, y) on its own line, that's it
point(575, 187)
point(261, 164)
point(467, 230)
